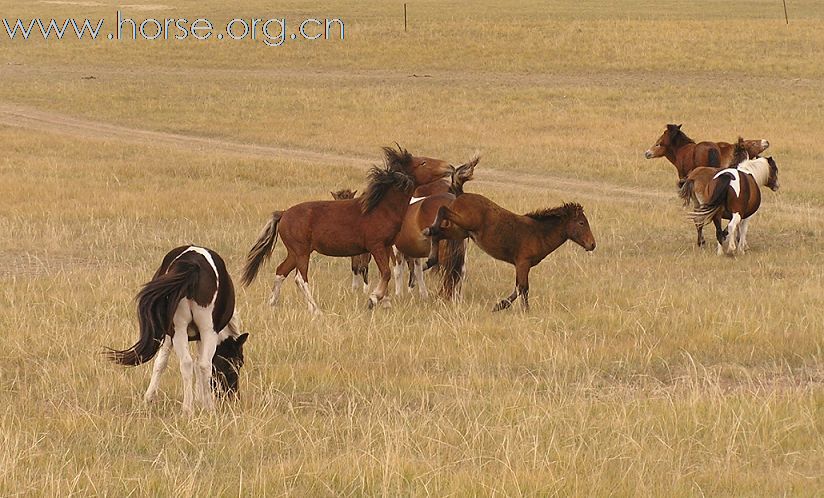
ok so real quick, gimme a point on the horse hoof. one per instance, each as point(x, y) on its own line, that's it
point(430, 263)
point(426, 232)
point(501, 306)
point(370, 304)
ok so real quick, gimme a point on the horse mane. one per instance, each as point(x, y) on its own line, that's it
point(739, 153)
point(344, 194)
point(392, 175)
point(563, 212)
point(677, 136)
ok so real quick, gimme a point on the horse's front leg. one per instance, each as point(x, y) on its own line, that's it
point(379, 294)
point(700, 230)
point(435, 234)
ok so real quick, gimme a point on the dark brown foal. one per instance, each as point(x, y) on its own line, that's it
point(521, 240)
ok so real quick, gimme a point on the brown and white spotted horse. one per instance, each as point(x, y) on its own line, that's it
point(686, 155)
point(191, 296)
point(732, 194)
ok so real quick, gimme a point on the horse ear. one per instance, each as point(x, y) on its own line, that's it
point(242, 338)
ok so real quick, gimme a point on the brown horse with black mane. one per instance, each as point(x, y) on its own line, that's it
point(521, 240)
point(347, 227)
point(686, 155)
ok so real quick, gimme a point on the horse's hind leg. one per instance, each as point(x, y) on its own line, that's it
point(283, 271)
point(742, 237)
point(302, 281)
point(732, 233)
point(180, 340)
point(208, 345)
point(159, 367)
point(417, 269)
point(507, 302)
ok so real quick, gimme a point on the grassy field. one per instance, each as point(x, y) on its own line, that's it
point(648, 367)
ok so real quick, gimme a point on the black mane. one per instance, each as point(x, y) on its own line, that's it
point(564, 212)
point(392, 175)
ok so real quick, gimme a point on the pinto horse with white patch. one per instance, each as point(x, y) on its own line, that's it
point(190, 297)
point(732, 194)
point(347, 227)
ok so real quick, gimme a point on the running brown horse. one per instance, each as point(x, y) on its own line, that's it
point(348, 227)
point(686, 155)
point(360, 263)
point(521, 240)
point(411, 245)
point(732, 194)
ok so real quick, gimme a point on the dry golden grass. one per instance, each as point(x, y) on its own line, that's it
point(646, 368)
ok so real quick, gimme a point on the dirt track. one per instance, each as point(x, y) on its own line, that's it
point(60, 124)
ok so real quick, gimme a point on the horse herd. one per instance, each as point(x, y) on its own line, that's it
point(413, 214)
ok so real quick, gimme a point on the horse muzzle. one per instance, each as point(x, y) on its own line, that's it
point(649, 154)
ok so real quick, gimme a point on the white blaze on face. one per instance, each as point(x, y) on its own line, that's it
point(735, 183)
point(416, 199)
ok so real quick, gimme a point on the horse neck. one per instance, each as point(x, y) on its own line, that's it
point(395, 203)
point(552, 233)
point(758, 168)
point(439, 186)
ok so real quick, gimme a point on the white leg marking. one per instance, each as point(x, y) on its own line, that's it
point(397, 272)
point(357, 282)
point(208, 344)
point(180, 340)
point(310, 301)
point(159, 367)
point(742, 239)
point(273, 299)
point(418, 265)
point(732, 233)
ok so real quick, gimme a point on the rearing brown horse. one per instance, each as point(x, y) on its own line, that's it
point(521, 240)
point(412, 245)
point(347, 227)
point(686, 155)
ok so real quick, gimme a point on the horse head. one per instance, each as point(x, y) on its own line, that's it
point(772, 180)
point(577, 226)
point(665, 142)
point(422, 170)
point(226, 365)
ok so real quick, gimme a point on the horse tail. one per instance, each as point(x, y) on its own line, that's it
point(463, 174)
point(686, 190)
point(713, 158)
point(707, 211)
point(156, 306)
point(451, 265)
point(261, 251)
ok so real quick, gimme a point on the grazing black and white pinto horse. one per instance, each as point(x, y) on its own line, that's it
point(190, 297)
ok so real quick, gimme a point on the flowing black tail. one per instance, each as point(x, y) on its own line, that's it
point(262, 250)
point(706, 212)
point(452, 259)
point(156, 306)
